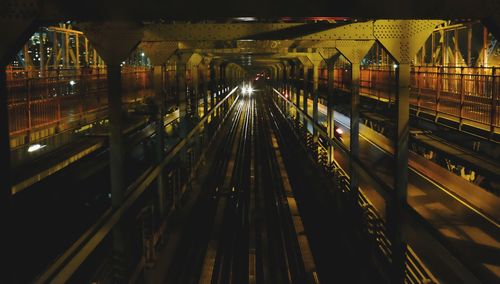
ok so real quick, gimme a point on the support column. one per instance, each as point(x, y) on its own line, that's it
point(406, 38)
point(297, 93)
point(6, 216)
point(195, 98)
point(16, 24)
point(396, 208)
point(5, 185)
point(158, 82)
point(204, 90)
point(315, 94)
point(181, 70)
point(222, 75)
point(288, 87)
point(116, 140)
point(121, 248)
point(305, 78)
point(114, 41)
point(354, 132)
point(184, 126)
point(330, 113)
point(158, 53)
point(354, 51)
point(213, 88)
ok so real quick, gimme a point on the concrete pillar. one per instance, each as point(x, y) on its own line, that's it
point(354, 132)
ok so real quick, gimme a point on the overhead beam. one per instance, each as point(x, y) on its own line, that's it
point(151, 9)
point(256, 31)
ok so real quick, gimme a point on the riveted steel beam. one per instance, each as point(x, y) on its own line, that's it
point(257, 31)
point(17, 22)
point(159, 52)
point(217, 9)
point(403, 38)
point(210, 32)
point(354, 51)
point(113, 40)
point(329, 54)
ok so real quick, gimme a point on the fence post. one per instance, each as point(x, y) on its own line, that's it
point(494, 95)
point(418, 77)
point(438, 91)
point(462, 98)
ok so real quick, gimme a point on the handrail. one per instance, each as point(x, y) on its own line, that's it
point(416, 271)
point(380, 187)
point(73, 258)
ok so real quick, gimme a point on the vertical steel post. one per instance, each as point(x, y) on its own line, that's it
point(158, 78)
point(195, 97)
point(305, 78)
point(439, 74)
point(444, 51)
point(77, 54)
point(315, 93)
point(462, 97)
point(433, 50)
point(330, 113)
point(204, 90)
point(116, 140)
point(213, 88)
point(42, 53)
point(5, 186)
point(469, 45)
point(296, 87)
point(66, 50)
point(86, 51)
point(494, 101)
point(485, 47)
point(354, 131)
point(181, 70)
point(395, 210)
point(121, 249)
point(181, 91)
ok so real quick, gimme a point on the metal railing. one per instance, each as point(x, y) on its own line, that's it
point(468, 95)
point(93, 247)
point(374, 227)
point(39, 99)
